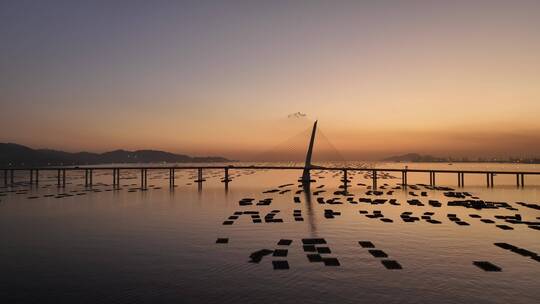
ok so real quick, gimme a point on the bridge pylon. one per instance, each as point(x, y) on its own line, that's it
point(306, 178)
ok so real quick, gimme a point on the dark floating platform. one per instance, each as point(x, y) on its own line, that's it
point(222, 241)
point(366, 244)
point(284, 242)
point(435, 203)
point(521, 251)
point(378, 253)
point(314, 241)
point(280, 265)
point(264, 202)
point(285, 185)
point(487, 266)
point(331, 262)
point(309, 248)
point(478, 204)
point(257, 256)
point(280, 252)
point(528, 205)
point(244, 203)
point(314, 257)
point(391, 264)
point(323, 250)
point(505, 246)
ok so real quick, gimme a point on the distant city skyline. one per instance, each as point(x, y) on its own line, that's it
point(446, 78)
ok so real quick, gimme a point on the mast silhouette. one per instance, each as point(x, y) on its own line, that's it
point(305, 176)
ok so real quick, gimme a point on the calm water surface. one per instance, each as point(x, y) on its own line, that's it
point(100, 245)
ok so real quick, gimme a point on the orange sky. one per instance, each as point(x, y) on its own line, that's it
point(441, 77)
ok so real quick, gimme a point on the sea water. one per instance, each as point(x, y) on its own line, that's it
point(103, 244)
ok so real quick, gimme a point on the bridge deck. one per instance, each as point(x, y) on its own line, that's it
point(232, 167)
point(61, 173)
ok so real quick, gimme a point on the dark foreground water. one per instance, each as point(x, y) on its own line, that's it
point(101, 245)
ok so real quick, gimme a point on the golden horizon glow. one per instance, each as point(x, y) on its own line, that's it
point(449, 79)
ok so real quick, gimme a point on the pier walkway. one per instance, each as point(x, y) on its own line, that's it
point(8, 175)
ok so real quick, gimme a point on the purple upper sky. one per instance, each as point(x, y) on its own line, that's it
point(382, 77)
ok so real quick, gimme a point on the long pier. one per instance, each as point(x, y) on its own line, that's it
point(33, 177)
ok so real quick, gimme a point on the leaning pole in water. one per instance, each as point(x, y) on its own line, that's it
point(306, 178)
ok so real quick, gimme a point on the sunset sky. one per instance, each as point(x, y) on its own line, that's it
point(220, 78)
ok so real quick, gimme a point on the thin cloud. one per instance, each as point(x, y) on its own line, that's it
point(297, 115)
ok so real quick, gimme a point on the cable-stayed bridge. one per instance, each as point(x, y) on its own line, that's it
point(34, 172)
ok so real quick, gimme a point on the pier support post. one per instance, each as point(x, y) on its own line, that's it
point(226, 179)
point(37, 176)
point(518, 183)
point(404, 178)
point(522, 180)
point(5, 177)
point(171, 177)
point(345, 180)
point(85, 177)
point(12, 176)
point(489, 180)
point(199, 176)
point(31, 177)
point(374, 172)
point(64, 178)
point(459, 179)
point(91, 177)
point(58, 178)
point(114, 177)
point(144, 179)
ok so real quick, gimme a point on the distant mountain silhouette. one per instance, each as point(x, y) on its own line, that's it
point(19, 155)
point(418, 158)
